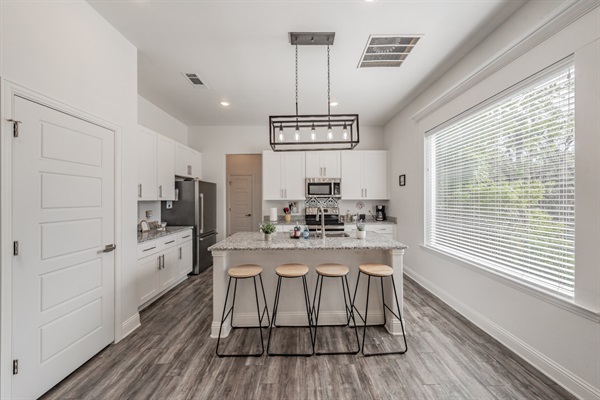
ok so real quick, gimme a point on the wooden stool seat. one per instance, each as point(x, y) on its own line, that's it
point(333, 270)
point(244, 271)
point(291, 270)
point(376, 269)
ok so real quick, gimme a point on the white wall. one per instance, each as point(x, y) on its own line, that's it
point(159, 121)
point(216, 141)
point(561, 339)
point(67, 52)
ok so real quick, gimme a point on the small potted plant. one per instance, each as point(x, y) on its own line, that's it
point(360, 230)
point(267, 229)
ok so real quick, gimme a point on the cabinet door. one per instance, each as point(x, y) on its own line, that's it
point(148, 278)
point(168, 272)
point(196, 163)
point(165, 153)
point(294, 175)
point(185, 259)
point(146, 140)
point(352, 187)
point(330, 164)
point(314, 169)
point(375, 175)
point(182, 160)
point(272, 176)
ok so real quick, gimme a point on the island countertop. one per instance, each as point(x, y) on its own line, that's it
point(281, 241)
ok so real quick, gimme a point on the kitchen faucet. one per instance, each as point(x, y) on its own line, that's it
point(321, 215)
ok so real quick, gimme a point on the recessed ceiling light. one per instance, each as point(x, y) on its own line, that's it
point(370, 1)
point(224, 104)
point(334, 103)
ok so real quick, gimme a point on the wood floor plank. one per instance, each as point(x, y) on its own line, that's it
point(173, 357)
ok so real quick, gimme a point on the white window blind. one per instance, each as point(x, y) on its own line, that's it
point(500, 184)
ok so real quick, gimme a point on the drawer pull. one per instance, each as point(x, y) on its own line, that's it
point(172, 241)
point(186, 236)
point(149, 248)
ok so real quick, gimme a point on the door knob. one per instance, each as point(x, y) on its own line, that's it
point(248, 215)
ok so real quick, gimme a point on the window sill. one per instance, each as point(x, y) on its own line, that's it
point(534, 291)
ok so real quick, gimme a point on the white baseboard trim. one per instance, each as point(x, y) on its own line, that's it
point(130, 325)
point(547, 366)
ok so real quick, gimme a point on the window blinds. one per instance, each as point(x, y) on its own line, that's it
point(501, 185)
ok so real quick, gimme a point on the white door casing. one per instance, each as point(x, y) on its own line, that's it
point(63, 217)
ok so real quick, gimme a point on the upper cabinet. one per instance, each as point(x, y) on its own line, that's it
point(188, 162)
point(165, 162)
point(283, 175)
point(146, 140)
point(323, 164)
point(365, 175)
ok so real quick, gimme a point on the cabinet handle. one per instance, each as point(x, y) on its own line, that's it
point(160, 191)
point(159, 264)
point(366, 195)
point(140, 190)
point(186, 236)
point(149, 248)
point(170, 242)
point(180, 253)
point(189, 169)
point(325, 169)
point(163, 261)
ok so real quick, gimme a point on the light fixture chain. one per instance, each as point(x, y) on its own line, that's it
point(328, 84)
point(296, 81)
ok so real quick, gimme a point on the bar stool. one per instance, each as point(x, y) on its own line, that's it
point(291, 271)
point(379, 271)
point(334, 271)
point(245, 271)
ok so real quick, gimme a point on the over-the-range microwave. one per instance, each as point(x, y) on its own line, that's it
point(323, 187)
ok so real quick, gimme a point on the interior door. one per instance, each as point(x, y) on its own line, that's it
point(63, 217)
point(240, 204)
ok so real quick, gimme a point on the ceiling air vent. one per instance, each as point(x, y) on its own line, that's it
point(387, 51)
point(194, 79)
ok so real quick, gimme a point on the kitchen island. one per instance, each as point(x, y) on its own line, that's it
point(251, 248)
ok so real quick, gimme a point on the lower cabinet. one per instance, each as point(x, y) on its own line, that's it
point(163, 263)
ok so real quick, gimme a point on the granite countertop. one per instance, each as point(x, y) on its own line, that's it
point(155, 234)
point(281, 241)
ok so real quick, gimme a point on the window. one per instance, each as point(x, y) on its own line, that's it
point(501, 183)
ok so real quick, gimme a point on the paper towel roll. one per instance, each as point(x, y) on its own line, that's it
point(273, 216)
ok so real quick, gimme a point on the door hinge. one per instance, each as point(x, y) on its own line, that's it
point(15, 127)
point(16, 248)
point(15, 367)
point(229, 183)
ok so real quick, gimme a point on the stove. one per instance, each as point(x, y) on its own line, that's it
point(332, 219)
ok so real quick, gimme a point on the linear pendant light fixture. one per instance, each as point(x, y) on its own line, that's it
point(313, 132)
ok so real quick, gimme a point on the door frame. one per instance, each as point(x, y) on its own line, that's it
point(8, 91)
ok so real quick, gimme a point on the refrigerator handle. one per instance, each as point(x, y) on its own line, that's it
point(201, 212)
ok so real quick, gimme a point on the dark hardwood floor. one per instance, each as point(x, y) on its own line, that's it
point(172, 357)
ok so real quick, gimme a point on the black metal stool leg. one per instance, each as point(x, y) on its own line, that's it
point(223, 315)
point(266, 309)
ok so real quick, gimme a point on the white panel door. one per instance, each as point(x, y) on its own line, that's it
point(63, 217)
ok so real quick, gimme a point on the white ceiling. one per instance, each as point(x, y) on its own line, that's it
point(242, 52)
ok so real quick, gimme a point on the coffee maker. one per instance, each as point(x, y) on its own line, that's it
point(380, 213)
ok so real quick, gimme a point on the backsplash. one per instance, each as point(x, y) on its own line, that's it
point(153, 206)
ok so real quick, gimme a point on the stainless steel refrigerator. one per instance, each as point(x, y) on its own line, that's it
point(196, 206)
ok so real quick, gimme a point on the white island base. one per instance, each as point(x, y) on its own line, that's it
point(249, 248)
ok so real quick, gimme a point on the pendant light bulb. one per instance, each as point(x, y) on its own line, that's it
point(281, 133)
point(329, 132)
point(297, 133)
point(345, 132)
point(313, 133)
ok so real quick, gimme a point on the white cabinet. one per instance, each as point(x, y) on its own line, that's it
point(165, 162)
point(146, 143)
point(162, 263)
point(323, 164)
point(365, 175)
point(188, 162)
point(186, 255)
point(283, 175)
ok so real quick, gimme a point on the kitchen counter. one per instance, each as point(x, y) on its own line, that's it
point(251, 248)
point(254, 241)
point(155, 234)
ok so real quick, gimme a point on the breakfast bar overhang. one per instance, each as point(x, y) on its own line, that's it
point(251, 248)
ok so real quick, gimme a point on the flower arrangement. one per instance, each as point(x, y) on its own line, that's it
point(267, 228)
point(360, 225)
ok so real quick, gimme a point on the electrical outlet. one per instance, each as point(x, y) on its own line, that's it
point(169, 204)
